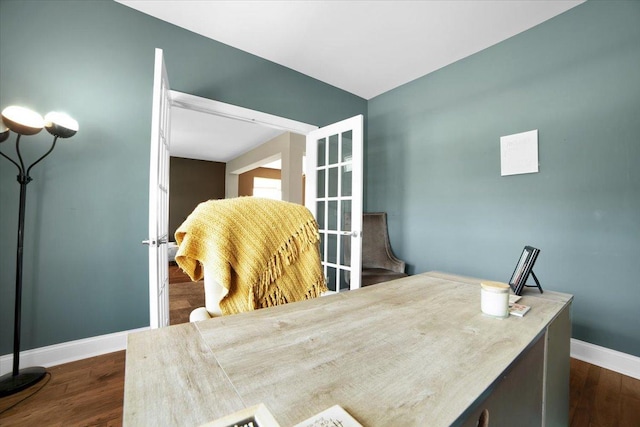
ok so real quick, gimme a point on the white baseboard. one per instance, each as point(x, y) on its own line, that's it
point(70, 351)
point(613, 360)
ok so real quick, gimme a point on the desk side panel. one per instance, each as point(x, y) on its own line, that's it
point(516, 398)
point(558, 368)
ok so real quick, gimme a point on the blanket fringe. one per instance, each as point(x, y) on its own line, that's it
point(288, 254)
point(277, 297)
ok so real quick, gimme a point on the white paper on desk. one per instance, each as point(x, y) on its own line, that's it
point(334, 416)
point(519, 153)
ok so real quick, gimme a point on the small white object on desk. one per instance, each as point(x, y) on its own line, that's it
point(518, 309)
point(494, 299)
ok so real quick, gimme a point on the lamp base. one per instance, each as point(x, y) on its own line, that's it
point(11, 384)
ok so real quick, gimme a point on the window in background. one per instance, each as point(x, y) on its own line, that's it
point(267, 187)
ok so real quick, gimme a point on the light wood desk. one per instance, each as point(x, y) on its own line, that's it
point(413, 352)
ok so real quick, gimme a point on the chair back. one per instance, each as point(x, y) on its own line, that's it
point(376, 247)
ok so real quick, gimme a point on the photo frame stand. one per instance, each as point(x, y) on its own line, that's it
point(537, 285)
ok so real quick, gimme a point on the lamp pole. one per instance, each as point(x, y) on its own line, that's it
point(20, 379)
point(23, 180)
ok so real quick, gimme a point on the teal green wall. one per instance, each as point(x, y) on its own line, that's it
point(85, 270)
point(433, 163)
point(431, 159)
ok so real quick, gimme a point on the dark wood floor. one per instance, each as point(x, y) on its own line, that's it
point(90, 392)
point(176, 275)
point(184, 295)
point(603, 398)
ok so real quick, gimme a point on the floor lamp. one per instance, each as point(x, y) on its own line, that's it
point(23, 121)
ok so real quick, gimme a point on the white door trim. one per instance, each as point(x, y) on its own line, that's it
point(205, 105)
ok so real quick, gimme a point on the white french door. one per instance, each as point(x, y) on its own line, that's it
point(159, 196)
point(334, 195)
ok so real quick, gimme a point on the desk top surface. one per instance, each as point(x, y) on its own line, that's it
point(408, 352)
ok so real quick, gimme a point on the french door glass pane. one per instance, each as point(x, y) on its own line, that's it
point(345, 275)
point(347, 146)
point(331, 278)
point(333, 182)
point(333, 149)
point(322, 147)
point(320, 215)
point(346, 250)
point(332, 248)
point(333, 215)
point(346, 180)
point(345, 224)
point(321, 189)
point(347, 160)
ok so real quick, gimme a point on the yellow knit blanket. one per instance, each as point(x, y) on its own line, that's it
point(264, 252)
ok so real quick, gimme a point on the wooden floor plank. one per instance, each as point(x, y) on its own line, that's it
point(184, 295)
point(630, 387)
point(629, 413)
point(176, 275)
point(82, 393)
point(183, 298)
point(578, 378)
point(607, 399)
point(585, 399)
point(630, 402)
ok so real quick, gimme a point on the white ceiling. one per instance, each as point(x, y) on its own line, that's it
point(363, 47)
point(197, 135)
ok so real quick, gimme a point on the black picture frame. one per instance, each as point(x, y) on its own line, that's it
point(523, 269)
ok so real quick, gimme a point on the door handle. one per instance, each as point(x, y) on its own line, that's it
point(353, 234)
point(156, 243)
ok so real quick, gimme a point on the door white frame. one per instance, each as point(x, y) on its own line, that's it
point(209, 106)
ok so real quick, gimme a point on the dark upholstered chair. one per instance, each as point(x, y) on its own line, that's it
point(379, 264)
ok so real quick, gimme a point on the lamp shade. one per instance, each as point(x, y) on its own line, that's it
point(22, 120)
point(4, 133)
point(60, 124)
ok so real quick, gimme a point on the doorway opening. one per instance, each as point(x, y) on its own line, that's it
point(282, 152)
point(334, 183)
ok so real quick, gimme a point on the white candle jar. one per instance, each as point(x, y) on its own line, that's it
point(494, 299)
